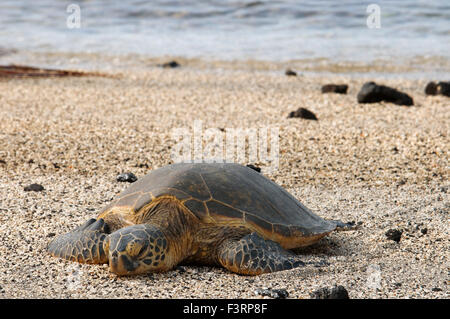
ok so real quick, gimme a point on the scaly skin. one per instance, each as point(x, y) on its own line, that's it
point(159, 247)
point(252, 255)
point(86, 244)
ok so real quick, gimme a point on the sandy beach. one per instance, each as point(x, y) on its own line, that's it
point(381, 165)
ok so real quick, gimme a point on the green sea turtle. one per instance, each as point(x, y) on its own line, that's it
point(203, 213)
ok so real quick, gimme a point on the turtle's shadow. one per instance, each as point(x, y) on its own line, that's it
point(328, 246)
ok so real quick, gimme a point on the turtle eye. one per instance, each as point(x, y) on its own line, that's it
point(135, 249)
point(142, 251)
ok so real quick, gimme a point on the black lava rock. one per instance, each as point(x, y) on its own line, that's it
point(289, 72)
point(303, 113)
point(431, 88)
point(394, 234)
point(34, 188)
point(373, 93)
point(256, 168)
point(335, 88)
point(336, 292)
point(181, 269)
point(440, 88)
point(126, 177)
point(171, 64)
point(273, 293)
point(444, 88)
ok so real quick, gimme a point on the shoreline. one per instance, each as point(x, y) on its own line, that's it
point(380, 164)
point(415, 68)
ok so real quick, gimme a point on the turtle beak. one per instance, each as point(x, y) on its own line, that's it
point(122, 265)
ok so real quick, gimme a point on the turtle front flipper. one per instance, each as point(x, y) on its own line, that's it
point(253, 255)
point(86, 244)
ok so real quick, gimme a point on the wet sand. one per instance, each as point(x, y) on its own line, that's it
point(382, 165)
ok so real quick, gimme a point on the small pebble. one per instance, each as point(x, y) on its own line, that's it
point(273, 293)
point(335, 88)
point(181, 269)
point(171, 64)
point(34, 188)
point(431, 88)
point(401, 182)
point(303, 113)
point(394, 234)
point(289, 72)
point(258, 169)
point(336, 292)
point(442, 88)
point(126, 177)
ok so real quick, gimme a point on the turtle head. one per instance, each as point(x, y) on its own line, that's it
point(138, 249)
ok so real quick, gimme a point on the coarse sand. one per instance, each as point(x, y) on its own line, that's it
point(381, 165)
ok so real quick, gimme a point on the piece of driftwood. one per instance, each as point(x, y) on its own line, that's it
point(13, 71)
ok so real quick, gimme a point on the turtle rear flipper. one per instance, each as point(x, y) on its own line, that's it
point(85, 244)
point(342, 226)
point(253, 255)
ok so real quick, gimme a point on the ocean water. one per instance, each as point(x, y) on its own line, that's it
point(235, 29)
